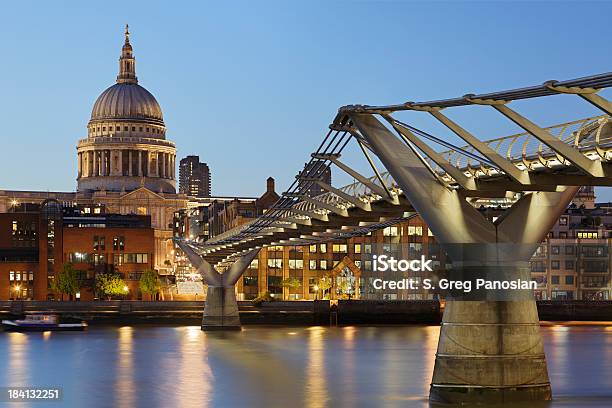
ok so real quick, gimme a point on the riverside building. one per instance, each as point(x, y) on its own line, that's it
point(36, 240)
point(573, 261)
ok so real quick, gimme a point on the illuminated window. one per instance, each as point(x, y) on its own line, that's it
point(357, 248)
point(296, 264)
point(323, 248)
point(312, 264)
point(339, 248)
point(323, 264)
point(391, 232)
point(275, 263)
point(141, 211)
point(313, 249)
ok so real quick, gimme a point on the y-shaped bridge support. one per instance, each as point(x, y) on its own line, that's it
point(489, 350)
point(221, 309)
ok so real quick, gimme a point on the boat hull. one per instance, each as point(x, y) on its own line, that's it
point(42, 328)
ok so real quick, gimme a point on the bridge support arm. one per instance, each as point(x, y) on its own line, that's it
point(490, 348)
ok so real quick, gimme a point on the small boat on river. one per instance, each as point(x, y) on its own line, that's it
point(41, 322)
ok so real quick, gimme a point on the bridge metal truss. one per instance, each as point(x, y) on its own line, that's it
point(575, 153)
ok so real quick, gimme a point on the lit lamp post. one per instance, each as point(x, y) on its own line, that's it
point(316, 288)
point(125, 291)
point(16, 289)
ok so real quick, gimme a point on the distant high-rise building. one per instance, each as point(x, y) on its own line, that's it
point(316, 170)
point(194, 177)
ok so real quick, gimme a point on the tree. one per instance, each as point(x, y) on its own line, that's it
point(110, 284)
point(67, 281)
point(149, 283)
point(291, 283)
point(325, 283)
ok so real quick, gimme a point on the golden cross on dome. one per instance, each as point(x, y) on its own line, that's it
point(127, 33)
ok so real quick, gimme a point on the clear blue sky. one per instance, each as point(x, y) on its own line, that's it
point(251, 86)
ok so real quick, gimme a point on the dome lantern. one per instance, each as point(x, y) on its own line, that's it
point(127, 62)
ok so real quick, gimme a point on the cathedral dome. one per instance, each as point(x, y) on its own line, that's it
point(126, 146)
point(129, 102)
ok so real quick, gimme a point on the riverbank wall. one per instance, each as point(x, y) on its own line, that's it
point(344, 312)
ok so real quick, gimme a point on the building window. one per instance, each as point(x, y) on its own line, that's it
point(118, 243)
point(136, 258)
point(554, 279)
point(254, 264)
point(312, 264)
point(275, 263)
point(563, 234)
point(569, 280)
point(99, 243)
point(357, 248)
point(323, 264)
point(296, 264)
point(133, 128)
point(569, 250)
point(125, 128)
point(358, 263)
point(587, 234)
point(391, 232)
point(594, 251)
point(313, 249)
point(339, 248)
point(323, 248)
point(555, 250)
point(554, 265)
point(569, 265)
point(563, 221)
point(99, 259)
point(250, 281)
point(367, 248)
point(118, 259)
point(415, 230)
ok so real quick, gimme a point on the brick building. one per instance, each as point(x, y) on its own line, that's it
point(36, 241)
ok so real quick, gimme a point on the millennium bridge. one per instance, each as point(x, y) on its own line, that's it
point(490, 350)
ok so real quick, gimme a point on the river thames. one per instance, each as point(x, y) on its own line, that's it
point(181, 366)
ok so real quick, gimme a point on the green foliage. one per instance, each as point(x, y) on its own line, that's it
point(345, 286)
point(149, 282)
point(110, 284)
point(263, 297)
point(67, 280)
point(325, 283)
point(291, 283)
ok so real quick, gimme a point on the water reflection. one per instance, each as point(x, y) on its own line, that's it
point(124, 387)
point(316, 384)
point(149, 366)
point(195, 374)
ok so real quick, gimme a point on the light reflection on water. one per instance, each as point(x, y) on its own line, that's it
point(148, 366)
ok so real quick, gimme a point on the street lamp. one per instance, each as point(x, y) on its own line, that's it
point(125, 291)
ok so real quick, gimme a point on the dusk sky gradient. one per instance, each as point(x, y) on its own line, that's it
point(251, 87)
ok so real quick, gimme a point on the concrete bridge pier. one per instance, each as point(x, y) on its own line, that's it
point(221, 307)
point(490, 348)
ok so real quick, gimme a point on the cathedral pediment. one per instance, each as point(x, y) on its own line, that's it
point(142, 193)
